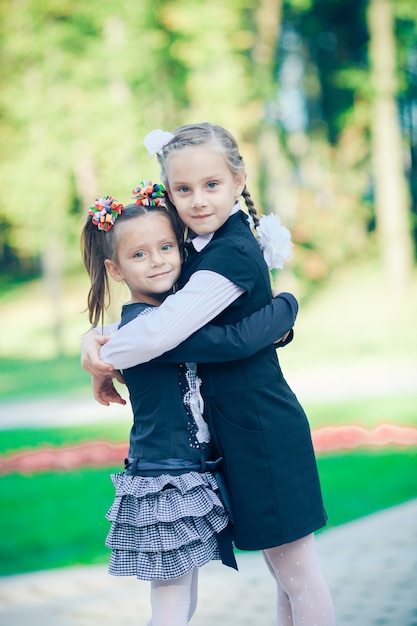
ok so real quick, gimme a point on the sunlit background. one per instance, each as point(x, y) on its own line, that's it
point(322, 98)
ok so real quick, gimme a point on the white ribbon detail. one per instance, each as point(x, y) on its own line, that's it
point(156, 140)
point(275, 241)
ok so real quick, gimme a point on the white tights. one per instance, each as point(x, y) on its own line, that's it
point(174, 601)
point(303, 598)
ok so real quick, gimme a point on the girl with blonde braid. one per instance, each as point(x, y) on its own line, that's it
point(257, 424)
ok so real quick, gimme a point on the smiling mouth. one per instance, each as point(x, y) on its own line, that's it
point(202, 216)
point(160, 274)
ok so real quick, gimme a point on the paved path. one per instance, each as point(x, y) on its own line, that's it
point(360, 381)
point(370, 565)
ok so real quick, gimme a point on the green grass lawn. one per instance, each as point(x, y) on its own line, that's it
point(400, 409)
point(26, 379)
point(18, 440)
point(360, 482)
point(54, 519)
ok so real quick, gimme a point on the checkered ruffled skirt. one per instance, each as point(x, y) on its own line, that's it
point(164, 526)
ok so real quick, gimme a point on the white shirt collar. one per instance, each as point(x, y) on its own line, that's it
point(200, 241)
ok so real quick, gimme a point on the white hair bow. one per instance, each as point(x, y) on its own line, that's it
point(274, 240)
point(156, 140)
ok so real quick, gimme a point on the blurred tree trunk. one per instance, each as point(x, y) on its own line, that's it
point(392, 201)
point(268, 25)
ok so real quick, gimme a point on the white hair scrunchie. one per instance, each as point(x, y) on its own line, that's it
point(274, 240)
point(156, 140)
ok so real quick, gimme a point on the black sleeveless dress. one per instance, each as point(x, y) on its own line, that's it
point(167, 515)
point(257, 424)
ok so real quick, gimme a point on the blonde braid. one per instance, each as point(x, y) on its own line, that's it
point(250, 206)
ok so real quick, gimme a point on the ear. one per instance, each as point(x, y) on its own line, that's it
point(240, 182)
point(113, 270)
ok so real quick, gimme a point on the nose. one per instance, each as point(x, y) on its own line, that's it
point(198, 199)
point(157, 258)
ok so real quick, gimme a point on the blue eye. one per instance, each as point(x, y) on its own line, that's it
point(183, 189)
point(212, 184)
point(166, 247)
point(139, 255)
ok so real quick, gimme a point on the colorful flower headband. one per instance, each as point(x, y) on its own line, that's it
point(149, 194)
point(105, 212)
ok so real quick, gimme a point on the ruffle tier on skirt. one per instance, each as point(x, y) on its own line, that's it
point(164, 526)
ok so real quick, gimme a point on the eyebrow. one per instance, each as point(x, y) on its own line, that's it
point(205, 179)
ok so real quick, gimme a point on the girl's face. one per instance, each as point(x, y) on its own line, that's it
point(148, 257)
point(202, 187)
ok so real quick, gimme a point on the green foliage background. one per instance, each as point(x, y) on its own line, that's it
point(83, 82)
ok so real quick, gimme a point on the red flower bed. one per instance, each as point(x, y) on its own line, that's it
point(338, 437)
point(93, 454)
point(102, 454)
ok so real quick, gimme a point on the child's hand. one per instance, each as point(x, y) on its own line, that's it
point(90, 355)
point(104, 390)
point(283, 338)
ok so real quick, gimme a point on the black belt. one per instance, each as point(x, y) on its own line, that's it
point(135, 466)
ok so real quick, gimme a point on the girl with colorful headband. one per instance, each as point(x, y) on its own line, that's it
point(168, 517)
